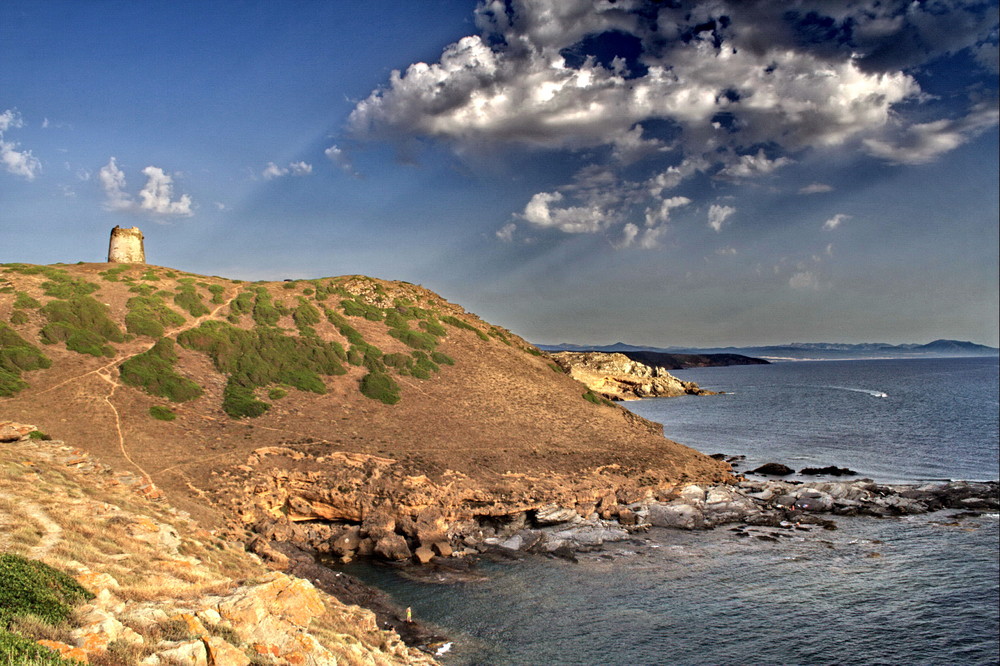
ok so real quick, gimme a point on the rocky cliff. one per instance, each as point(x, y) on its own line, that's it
point(373, 415)
point(615, 376)
point(160, 588)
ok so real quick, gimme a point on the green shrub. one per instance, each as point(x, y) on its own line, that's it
point(60, 284)
point(590, 396)
point(15, 649)
point(162, 413)
point(18, 317)
point(188, 298)
point(83, 324)
point(38, 434)
point(277, 393)
point(415, 339)
point(289, 285)
point(142, 289)
point(264, 312)
point(150, 276)
point(348, 331)
point(242, 304)
point(17, 355)
point(458, 323)
point(239, 402)
point(305, 314)
point(148, 315)
point(25, 301)
point(433, 327)
point(355, 308)
point(217, 291)
point(153, 371)
point(111, 275)
point(29, 587)
point(442, 359)
point(380, 386)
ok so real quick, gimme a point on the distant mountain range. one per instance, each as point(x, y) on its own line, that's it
point(806, 351)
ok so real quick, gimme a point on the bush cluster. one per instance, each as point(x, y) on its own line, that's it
point(17, 355)
point(188, 298)
point(153, 371)
point(149, 315)
point(24, 301)
point(83, 324)
point(260, 357)
point(162, 413)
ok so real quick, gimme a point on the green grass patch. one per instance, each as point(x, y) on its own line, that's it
point(464, 325)
point(188, 298)
point(380, 386)
point(16, 649)
point(153, 371)
point(17, 355)
point(24, 301)
point(18, 317)
point(356, 308)
point(342, 325)
point(218, 292)
point(149, 315)
point(60, 284)
point(150, 276)
point(29, 587)
point(263, 356)
point(442, 359)
point(113, 274)
point(590, 396)
point(38, 434)
point(305, 315)
point(162, 413)
point(277, 393)
point(415, 339)
point(83, 324)
point(264, 311)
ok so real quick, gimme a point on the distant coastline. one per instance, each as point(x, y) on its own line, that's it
point(795, 351)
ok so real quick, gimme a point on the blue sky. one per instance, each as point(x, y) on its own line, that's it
point(663, 173)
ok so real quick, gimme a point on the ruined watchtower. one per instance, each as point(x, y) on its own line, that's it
point(126, 246)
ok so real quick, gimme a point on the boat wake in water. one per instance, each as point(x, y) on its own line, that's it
point(872, 393)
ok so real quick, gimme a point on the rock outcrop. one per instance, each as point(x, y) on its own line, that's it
point(617, 377)
point(167, 591)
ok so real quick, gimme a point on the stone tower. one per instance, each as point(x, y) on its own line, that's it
point(126, 246)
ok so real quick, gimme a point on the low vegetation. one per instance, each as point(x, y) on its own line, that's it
point(17, 355)
point(148, 315)
point(153, 371)
point(83, 323)
point(161, 413)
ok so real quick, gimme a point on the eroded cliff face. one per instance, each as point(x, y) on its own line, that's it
point(617, 377)
point(165, 589)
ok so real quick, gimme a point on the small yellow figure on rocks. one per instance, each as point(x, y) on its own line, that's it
point(409, 614)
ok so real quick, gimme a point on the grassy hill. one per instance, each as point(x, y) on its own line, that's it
point(181, 377)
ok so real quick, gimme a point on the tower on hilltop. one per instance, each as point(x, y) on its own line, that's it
point(126, 246)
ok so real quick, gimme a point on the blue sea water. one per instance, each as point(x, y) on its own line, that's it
point(916, 590)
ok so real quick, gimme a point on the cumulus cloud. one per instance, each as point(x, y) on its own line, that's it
point(15, 161)
point(816, 188)
point(156, 196)
point(718, 214)
point(336, 155)
point(272, 170)
point(506, 232)
point(726, 88)
point(835, 221)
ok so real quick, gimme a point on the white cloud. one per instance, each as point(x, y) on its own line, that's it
point(18, 162)
point(750, 166)
point(506, 232)
point(272, 170)
point(571, 219)
point(661, 215)
point(336, 155)
point(718, 214)
point(816, 188)
point(112, 181)
point(835, 221)
point(804, 280)
point(726, 77)
point(924, 142)
point(726, 251)
point(156, 196)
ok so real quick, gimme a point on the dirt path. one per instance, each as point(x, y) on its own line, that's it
point(26, 509)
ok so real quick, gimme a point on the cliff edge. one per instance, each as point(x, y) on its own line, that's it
point(617, 377)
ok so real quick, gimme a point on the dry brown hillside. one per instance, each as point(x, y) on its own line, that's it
point(418, 387)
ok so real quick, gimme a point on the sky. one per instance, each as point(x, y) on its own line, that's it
point(705, 173)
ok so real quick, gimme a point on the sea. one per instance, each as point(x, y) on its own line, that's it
point(913, 590)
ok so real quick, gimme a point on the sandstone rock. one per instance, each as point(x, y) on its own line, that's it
point(393, 547)
point(442, 548)
point(221, 653)
point(618, 377)
point(553, 514)
point(68, 652)
point(424, 554)
point(188, 652)
point(278, 596)
point(13, 432)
